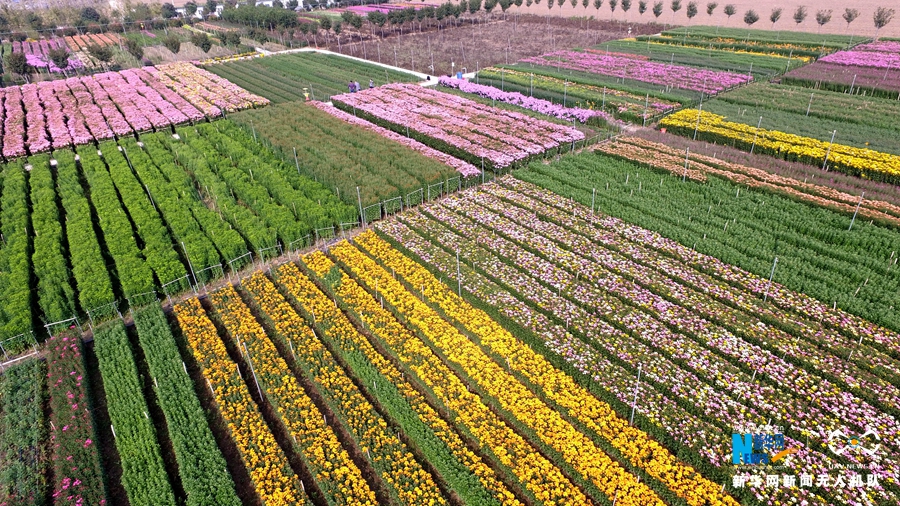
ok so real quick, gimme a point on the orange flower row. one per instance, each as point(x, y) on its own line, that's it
point(269, 471)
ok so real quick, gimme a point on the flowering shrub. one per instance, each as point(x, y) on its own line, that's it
point(408, 481)
point(470, 476)
point(22, 434)
point(73, 451)
point(498, 383)
point(530, 103)
point(855, 161)
point(458, 126)
point(471, 414)
point(464, 168)
point(271, 475)
point(328, 461)
point(676, 76)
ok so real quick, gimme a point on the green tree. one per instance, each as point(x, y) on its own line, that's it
point(823, 17)
point(202, 41)
point(59, 56)
point(775, 16)
point(711, 7)
point(850, 15)
point(103, 54)
point(17, 63)
point(34, 20)
point(751, 17)
point(210, 7)
point(233, 38)
point(675, 6)
point(378, 19)
point(626, 5)
point(642, 7)
point(658, 9)
point(730, 10)
point(691, 10)
point(612, 6)
point(168, 11)
point(882, 17)
point(134, 48)
point(172, 43)
point(474, 6)
point(598, 4)
point(800, 14)
point(190, 9)
point(88, 15)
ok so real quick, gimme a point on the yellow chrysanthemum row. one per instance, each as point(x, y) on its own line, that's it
point(342, 330)
point(538, 475)
point(634, 444)
point(856, 161)
point(513, 396)
point(395, 463)
point(269, 471)
point(328, 461)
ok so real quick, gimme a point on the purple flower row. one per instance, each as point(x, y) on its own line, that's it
point(676, 76)
point(499, 136)
point(874, 59)
point(882, 46)
point(464, 168)
point(40, 47)
point(530, 103)
point(657, 405)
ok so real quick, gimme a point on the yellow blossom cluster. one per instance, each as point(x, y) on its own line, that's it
point(391, 458)
point(328, 461)
point(862, 162)
point(339, 328)
point(634, 444)
point(606, 474)
point(270, 473)
point(540, 476)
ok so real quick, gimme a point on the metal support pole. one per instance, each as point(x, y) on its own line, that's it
point(828, 153)
point(252, 371)
point(634, 401)
point(362, 217)
point(771, 275)
point(857, 211)
point(755, 134)
point(189, 263)
point(458, 276)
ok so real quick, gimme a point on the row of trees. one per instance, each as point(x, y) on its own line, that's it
point(881, 17)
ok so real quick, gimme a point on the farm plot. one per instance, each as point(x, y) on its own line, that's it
point(23, 434)
point(852, 79)
point(283, 78)
point(816, 252)
point(344, 153)
point(432, 362)
point(137, 218)
point(83, 109)
point(661, 74)
point(585, 289)
point(858, 161)
point(766, 42)
point(37, 54)
point(463, 128)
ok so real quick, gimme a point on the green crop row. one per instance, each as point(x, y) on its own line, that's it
point(15, 253)
point(143, 475)
point(88, 267)
point(118, 234)
point(817, 254)
point(282, 78)
point(759, 65)
point(156, 240)
point(200, 463)
point(55, 292)
point(23, 435)
point(341, 156)
point(812, 40)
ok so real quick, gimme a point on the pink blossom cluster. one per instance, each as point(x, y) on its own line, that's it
point(882, 46)
point(74, 456)
point(676, 76)
point(530, 103)
point(876, 59)
point(464, 168)
point(37, 54)
point(14, 123)
point(79, 110)
point(498, 136)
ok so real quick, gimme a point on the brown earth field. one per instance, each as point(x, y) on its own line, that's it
point(862, 26)
point(507, 39)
